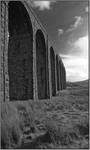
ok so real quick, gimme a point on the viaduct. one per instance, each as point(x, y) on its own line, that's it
point(29, 67)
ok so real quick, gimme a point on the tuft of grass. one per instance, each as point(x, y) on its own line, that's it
point(26, 114)
point(83, 126)
point(60, 133)
point(14, 119)
point(10, 126)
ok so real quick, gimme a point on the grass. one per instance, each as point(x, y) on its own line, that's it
point(14, 116)
point(61, 133)
point(64, 119)
point(10, 126)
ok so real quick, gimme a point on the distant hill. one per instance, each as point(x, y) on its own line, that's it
point(84, 83)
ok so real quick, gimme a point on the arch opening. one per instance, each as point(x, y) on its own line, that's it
point(52, 58)
point(41, 65)
point(20, 52)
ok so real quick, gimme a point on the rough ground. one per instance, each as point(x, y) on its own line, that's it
point(58, 123)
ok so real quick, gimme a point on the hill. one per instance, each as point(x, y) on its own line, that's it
point(84, 83)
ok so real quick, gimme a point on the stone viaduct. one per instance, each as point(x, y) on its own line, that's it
point(29, 66)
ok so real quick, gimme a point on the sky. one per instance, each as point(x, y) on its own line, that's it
point(66, 23)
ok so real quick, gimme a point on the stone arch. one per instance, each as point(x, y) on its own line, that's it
point(60, 75)
point(63, 78)
point(57, 71)
point(20, 52)
point(41, 65)
point(53, 81)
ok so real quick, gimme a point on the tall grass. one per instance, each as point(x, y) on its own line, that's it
point(10, 126)
point(63, 119)
point(14, 117)
point(61, 133)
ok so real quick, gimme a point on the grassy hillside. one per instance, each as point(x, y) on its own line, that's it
point(62, 120)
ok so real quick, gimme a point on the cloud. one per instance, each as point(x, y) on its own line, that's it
point(78, 21)
point(77, 65)
point(82, 44)
point(42, 5)
point(86, 9)
point(60, 31)
point(79, 47)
